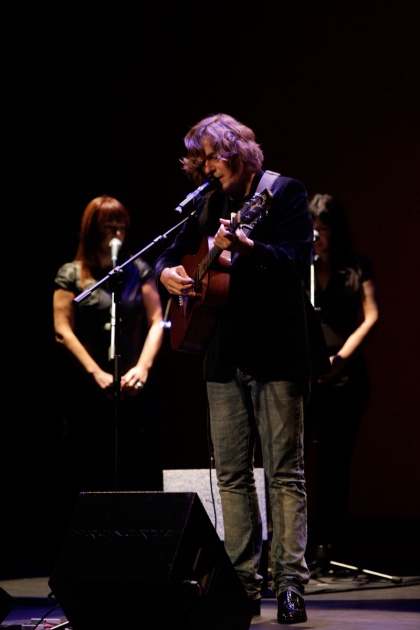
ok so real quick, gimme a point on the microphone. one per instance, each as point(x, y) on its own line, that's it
point(208, 185)
point(316, 235)
point(115, 245)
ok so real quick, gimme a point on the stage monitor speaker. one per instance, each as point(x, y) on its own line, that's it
point(6, 604)
point(146, 559)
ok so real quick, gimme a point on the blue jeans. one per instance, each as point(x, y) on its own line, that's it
point(278, 409)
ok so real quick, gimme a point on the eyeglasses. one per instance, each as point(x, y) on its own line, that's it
point(200, 162)
point(113, 228)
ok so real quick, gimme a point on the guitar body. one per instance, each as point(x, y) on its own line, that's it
point(193, 318)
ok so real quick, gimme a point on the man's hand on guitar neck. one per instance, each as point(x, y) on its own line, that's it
point(177, 281)
point(236, 242)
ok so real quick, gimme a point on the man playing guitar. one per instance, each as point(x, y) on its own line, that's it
point(264, 347)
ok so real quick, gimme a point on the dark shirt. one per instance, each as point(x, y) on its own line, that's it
point(93, 313)
point(339, 309)
point(339, 305)
point(264, 327)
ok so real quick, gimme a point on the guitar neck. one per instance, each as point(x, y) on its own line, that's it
point(212, 255)
point(246, 218)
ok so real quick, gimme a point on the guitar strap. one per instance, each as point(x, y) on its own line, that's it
point(267, 180)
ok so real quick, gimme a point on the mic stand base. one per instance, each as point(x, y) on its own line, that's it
point(324, 567)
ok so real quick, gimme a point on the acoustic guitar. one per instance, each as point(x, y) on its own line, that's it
point(192, 319)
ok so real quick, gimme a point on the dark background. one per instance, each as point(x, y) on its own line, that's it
point(99, 103)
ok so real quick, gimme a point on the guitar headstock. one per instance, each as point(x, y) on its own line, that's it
point(252, 211)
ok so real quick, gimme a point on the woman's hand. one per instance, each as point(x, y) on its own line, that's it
point(337, 364)
point(134, 380)
point(104, 380)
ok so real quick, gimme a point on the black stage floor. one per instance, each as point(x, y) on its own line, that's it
point(342, 600)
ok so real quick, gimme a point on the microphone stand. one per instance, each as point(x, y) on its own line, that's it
point(116, 284)
point(115, 278)
point(312, 280)
point(312, 271)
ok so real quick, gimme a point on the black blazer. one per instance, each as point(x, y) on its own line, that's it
point(268, 327)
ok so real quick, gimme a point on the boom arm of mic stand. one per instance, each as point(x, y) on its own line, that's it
point(82, 296)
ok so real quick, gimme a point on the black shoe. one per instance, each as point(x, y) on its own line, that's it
point(290, 608)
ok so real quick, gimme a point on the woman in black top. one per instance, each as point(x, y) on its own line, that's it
point(346, 303)
point(96, 460)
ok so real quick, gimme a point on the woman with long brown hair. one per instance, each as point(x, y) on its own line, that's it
point(87, 369)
